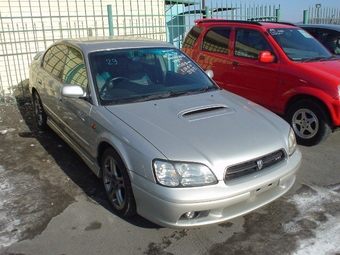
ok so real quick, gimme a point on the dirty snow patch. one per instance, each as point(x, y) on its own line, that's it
point(327, 231)
point(9, 232)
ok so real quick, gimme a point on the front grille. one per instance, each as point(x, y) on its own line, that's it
point(254, 165)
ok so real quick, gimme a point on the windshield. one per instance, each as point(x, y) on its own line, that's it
point(299, 45)
point(136, 75)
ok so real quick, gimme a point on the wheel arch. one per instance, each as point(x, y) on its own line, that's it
point(101, 149)
point(33, 90)
point(120, 152)
point(310, 98)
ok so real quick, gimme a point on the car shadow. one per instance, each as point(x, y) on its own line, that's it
point(71, 164)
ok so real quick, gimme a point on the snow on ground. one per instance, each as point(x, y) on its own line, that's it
point(319, 207)
point(9, 232)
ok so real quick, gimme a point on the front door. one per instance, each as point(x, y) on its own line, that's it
point(248, 77)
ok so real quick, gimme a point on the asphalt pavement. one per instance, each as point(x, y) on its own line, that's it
point(52, 204)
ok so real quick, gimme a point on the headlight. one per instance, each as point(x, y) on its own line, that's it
point(182, 174)
point(291, 142)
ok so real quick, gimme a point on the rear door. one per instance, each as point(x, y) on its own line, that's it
point(50, 79)
point(214, 53)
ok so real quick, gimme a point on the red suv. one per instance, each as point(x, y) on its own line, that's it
point(277, 65)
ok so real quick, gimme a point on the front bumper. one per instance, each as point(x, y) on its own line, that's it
point(217, 203)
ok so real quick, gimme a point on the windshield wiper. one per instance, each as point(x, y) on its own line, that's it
point(168, 94)
point(318, 59)
point(152, 97)
point(211, 87)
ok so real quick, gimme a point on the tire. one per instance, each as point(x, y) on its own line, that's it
point(310, 122)
point(117, 184)
point(39, 112)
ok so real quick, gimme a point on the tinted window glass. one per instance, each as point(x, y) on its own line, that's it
point(54, 59)
point(250, 43)
point(329, 38)
point(192, 37)
point(216, 40)
point(299, 45)
point(74, 70)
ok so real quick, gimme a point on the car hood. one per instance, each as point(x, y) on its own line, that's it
point(327, 68)
point(211, 127)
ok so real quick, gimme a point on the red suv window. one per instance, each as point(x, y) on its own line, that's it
point(216, 40)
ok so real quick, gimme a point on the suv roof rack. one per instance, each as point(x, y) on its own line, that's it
point(227, 20)
point(259, 23)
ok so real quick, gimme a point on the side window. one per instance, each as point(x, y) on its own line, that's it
point(250, 43)
point(74, 70)
point(330, 39)
point(192, 37)
point(216, 40)
point(54, 59)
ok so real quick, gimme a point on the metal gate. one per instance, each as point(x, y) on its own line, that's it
point(27, 27)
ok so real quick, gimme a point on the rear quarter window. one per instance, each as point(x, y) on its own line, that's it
point(192, 37)
point(217, 40)
point(54, 60)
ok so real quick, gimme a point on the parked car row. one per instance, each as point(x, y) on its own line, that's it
point(277, 65)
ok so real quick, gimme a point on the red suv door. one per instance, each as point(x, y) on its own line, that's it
point(248, 76)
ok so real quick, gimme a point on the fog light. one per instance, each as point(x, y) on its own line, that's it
point(191, 215)
point(194, 215)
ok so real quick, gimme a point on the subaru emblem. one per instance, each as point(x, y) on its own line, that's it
point(259, 164)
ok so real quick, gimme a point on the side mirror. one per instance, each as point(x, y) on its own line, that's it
point(75, 91)
point(210, 73)
point(266, 57)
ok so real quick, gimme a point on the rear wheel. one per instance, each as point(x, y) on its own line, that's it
point(309, 121)
point(39, 113)
point(117, 184)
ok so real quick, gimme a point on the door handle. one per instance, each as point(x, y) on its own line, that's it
point(235, 63)
point(201, 57)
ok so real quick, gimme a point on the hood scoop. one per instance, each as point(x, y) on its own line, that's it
point(205, 112)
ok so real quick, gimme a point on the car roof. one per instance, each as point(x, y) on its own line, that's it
point(327, 26)
point(99, 43)
point(266, 24)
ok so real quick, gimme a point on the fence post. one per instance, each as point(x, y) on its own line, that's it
point(305, 16)
point(278, 15)
point(207, 12)
point(109, 16)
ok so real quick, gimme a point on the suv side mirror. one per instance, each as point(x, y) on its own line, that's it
point(266, 57)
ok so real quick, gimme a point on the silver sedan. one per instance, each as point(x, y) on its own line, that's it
point(168, 143)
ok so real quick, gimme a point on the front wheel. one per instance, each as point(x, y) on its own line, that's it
point(117, 184)
point(310, 122)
